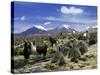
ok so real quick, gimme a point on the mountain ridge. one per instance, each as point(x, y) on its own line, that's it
point(37, 30)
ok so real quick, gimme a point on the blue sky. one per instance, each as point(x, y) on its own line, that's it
point(49, 16)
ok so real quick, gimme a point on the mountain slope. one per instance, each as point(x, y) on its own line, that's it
point(32, 31)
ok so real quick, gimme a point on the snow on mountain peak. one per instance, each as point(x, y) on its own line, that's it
point(66, 26)
point(40, 27)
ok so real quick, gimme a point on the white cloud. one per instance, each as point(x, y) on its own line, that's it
point(87, 21)
point(22, 18)
point(46, 23)
point(71, 10)
point(54, 18)
point(40, 27)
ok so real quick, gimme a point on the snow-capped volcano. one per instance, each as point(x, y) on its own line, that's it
point(34, 30)
point(62, 29)
point(40, 27)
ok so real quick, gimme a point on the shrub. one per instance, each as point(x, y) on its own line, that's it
point(65, 50)
point(91, 42)
point(55, 57)
point(16, 52)
point(83, 47)
point(93, 38)
point(61, 60)
point(51, 50)
point(58, 58)
point(75, 54)
point(20, 51)
point(75, 49)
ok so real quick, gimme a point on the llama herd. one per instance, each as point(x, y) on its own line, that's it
point(72, 48)
point(39, 49)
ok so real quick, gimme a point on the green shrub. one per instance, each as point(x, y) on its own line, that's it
point(93, 38)
point(65, 50)
point(55, 57)
point(75, 54)
point(58, 58)
point(20, 51)
point(61, 60)
point(83, 47)
point(75, 49)
point(51, 50)
point(16, 52)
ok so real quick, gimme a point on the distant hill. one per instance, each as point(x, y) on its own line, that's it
point(92, 29)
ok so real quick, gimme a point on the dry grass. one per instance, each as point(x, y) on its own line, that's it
point(89, 63)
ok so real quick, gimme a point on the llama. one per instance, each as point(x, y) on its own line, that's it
point(52, 40)
point(40, 49)
point(27, 50)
